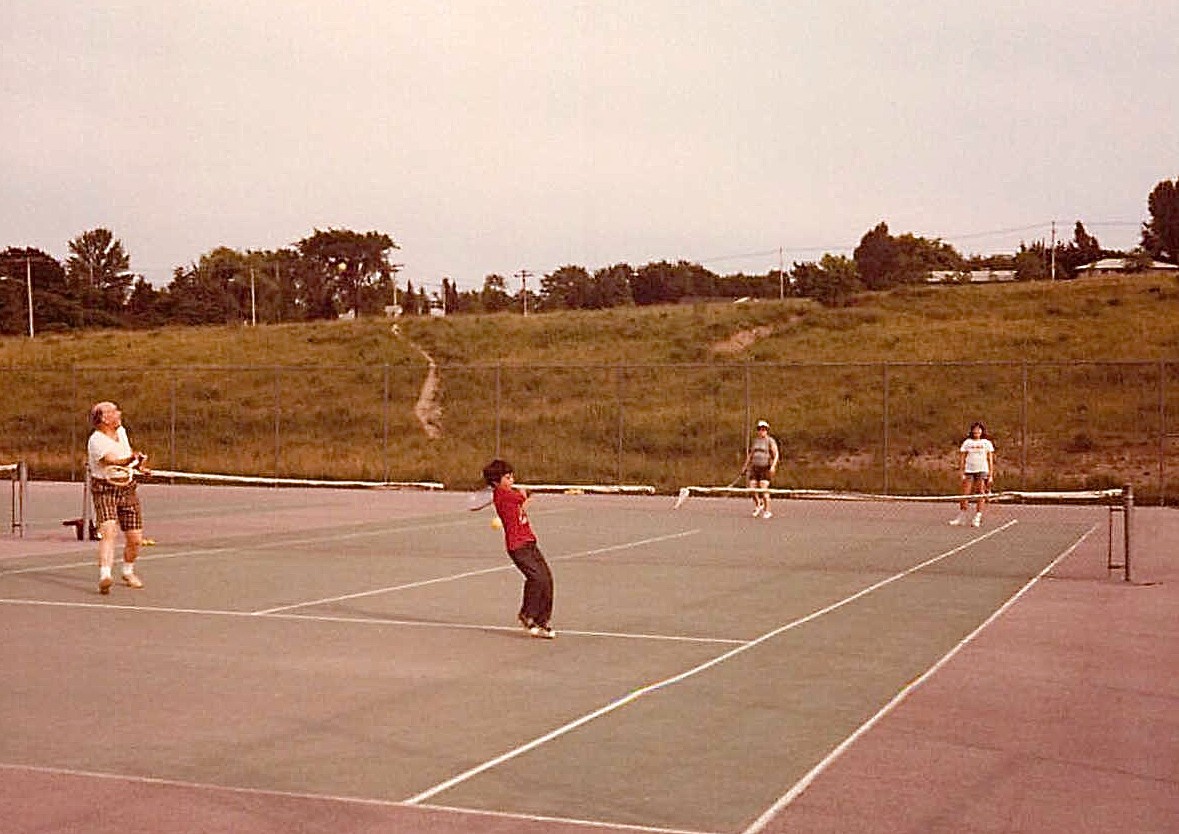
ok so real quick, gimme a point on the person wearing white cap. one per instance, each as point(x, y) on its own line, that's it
point(760, 464)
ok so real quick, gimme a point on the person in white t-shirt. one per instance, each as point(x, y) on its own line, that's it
point(976, 460)
point(116, 503)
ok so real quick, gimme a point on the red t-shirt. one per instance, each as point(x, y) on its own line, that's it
point(509, 504)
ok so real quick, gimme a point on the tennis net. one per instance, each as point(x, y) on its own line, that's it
point(18, 474)
point(256, 480)
point(85, 525)
point(1119, 503)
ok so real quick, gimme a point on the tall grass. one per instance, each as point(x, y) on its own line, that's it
point(643, 394)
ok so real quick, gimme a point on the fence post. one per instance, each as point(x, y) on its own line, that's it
point(1023, 427)
point(497, 410)
point(621, 419)
point(277, 421)
point(74, 423)
point(385, 428)
point(1162, 432)
point(172, 428)
point(748, 404)
point(884, 410)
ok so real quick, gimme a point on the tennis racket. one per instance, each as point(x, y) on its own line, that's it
point(740, 477)
point(684, 492)
point(123, 475)
point(480, 499)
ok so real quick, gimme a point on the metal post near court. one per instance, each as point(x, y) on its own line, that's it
point(20, 490)
point(1126, 510)
point(1128, 515)
point(87, 504)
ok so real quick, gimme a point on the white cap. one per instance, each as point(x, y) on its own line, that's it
point(762, 424)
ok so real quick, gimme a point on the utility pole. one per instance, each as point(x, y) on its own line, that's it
point(1053, 250)
point(524, 275)
point(781, 277)
point(253, 301)
point(29, 288)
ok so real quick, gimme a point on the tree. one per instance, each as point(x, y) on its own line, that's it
point(348, 262)
point(450, 297)
point(216, 290)
point(831, 282)
point(667, 283)
point(885, 261)
point(611, 286)
point(1160, 234)
point(1084, 249)
point(145, 305)
point(566, 288)
point(97, 273)
point(875, 257)
point(1031, 263)
point(494, 295)
point(54, 307)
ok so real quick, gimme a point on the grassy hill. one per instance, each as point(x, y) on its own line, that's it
point(1074, 379)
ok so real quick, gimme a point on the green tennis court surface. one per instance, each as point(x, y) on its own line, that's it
point(363, 645)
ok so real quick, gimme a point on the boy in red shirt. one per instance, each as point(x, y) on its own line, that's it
point(511, 505)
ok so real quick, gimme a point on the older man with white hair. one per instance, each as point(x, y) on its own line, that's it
point(112, 461)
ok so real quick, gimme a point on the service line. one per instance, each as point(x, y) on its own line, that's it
point(467, 574)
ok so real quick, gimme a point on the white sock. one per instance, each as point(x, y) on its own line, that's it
point(104, 572)
point(128, 568)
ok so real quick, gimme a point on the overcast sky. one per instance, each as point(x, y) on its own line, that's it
point(490, 137)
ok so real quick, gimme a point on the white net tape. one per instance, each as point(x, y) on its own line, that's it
point(1094, 495)
point(250, 480)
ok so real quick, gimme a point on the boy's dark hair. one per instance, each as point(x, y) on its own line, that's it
point(495, 470)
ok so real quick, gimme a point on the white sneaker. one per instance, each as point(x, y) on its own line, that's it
point(767, 514)
point(543, 632)
point(756, 512)
point(958, 520)
point(977, 520)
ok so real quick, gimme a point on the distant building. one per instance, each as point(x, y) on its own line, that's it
point(977, 276)
point(1115, 266)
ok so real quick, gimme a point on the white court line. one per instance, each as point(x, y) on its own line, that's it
point(208, 551)
point(538, 818)
point(319, 797)
point(467, 574)
point(695, 670)
point(316, 618)
point(805, 782)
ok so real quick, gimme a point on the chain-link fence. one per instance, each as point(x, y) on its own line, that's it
point(890, 427)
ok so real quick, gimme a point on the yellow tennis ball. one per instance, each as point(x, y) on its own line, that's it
point(496, 523)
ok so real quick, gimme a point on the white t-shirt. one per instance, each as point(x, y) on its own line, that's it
point(976, 454)
point(101, 445)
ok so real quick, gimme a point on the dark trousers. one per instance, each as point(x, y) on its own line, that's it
point(537, 606)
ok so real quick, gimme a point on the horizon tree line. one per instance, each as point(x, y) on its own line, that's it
point(338, 272)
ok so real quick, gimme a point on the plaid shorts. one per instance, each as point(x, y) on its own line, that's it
point(116, 503)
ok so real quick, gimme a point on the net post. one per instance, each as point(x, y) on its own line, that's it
point(87, 504)
point(1127, 517)
point(20, 487)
